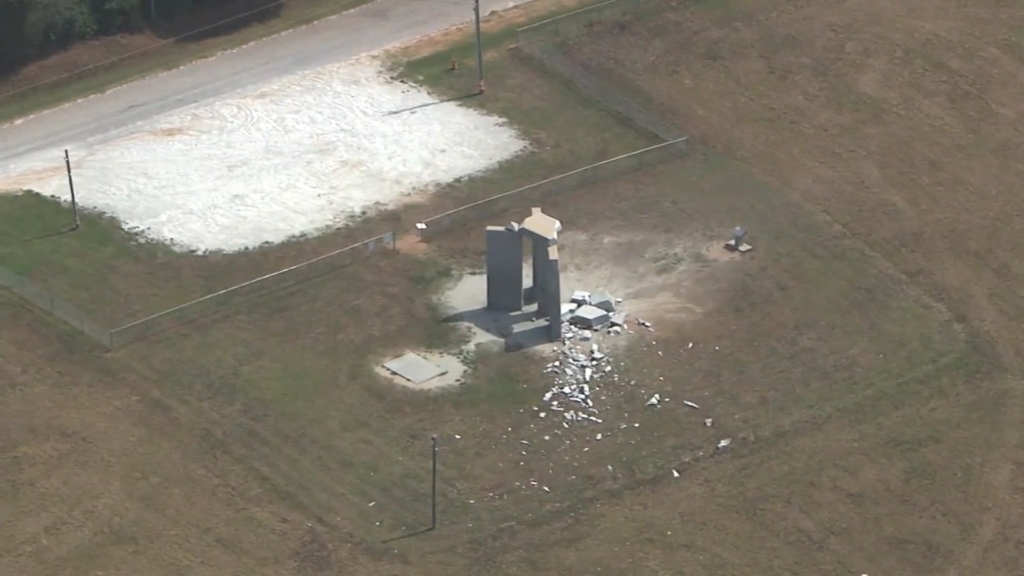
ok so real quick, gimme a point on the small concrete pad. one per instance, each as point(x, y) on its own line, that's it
point(414, 368)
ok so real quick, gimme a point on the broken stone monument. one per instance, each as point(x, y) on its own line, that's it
point(505, 268)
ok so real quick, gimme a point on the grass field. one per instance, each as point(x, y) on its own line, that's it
point(896, 121)
point(859, 392)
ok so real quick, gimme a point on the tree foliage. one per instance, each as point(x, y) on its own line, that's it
point(31, 29)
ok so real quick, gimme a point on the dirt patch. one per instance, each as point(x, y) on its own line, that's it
point(663, 280)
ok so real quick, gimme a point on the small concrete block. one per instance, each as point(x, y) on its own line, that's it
point(590, 317)
point(618, 319)
point(743, 248)
point(603, 300)
point(414, 368)
point(568, 309)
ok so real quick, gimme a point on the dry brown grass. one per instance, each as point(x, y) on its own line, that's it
point(901, 122)
point(871, 429)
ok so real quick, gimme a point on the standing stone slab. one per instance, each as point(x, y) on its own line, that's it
point(504, 269)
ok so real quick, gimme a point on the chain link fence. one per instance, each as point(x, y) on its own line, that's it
point(42, 298)
point(218, 301)
point(195, 309)
point(568, 182)
point(542, 42)
point(572, 25)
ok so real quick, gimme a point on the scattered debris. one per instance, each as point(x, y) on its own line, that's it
point(580, 298)
point(675, 473)
point(576, 371)
point(655, 400)
point(691, 404)
point(709, 422)
point(604, 301)
point(724, 443)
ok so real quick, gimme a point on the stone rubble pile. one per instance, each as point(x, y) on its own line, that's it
point(581, 362)
point(582, 365)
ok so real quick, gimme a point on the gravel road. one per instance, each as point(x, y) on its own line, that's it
point(369, 28)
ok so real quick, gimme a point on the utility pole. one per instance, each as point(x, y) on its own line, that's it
point(433, 483)
point(71, 185)
point(479, 48)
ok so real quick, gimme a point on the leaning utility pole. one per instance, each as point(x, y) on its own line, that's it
point(71, 185)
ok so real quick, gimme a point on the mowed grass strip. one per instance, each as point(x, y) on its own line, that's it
point(118, 276)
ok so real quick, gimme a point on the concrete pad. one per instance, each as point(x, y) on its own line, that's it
point(414, 368)
point(465, 303)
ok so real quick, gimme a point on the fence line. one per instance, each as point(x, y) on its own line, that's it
point(217, 301)
point(541, 43)
point(568, 182)
point(58, 307)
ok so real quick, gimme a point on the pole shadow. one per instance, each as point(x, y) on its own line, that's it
point(429, 104)
point(409, 535)
point(52, 234)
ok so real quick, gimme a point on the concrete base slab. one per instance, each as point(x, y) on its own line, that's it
point(743, 248)
point(465, 304)
point(414, 368)
point(451, 367)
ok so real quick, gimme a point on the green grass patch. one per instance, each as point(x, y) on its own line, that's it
point(117, 277)
point(37, 234)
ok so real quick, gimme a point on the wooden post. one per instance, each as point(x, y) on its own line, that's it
point(433, 483)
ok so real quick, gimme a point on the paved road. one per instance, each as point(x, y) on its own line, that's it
point(368, 28)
